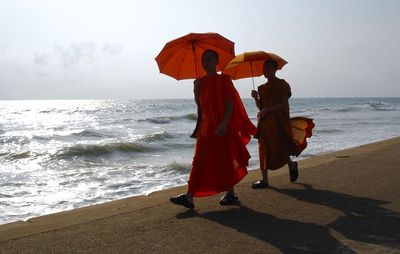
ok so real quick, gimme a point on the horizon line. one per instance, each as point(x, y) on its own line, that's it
point(100, 99)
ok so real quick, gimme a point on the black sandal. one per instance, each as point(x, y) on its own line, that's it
point(229, 199)
point(260, 185)
point(294, 173)
point(182, 200)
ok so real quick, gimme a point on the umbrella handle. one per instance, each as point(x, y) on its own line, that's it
point(252, 76)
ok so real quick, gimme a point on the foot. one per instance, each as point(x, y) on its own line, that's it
point(229, 199)
point(294, 172)
point(182, 200)
point(260, 185)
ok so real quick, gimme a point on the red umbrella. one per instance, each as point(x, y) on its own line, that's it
point(181, 58)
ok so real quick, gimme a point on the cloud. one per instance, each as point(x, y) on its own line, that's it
point(112, 49)
point(75, 53)
point(40, 59)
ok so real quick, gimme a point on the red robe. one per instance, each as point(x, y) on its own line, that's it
point(219, 162)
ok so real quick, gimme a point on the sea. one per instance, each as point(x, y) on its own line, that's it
point(65, 154)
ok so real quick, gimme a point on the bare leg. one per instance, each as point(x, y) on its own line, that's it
point(263, 183)
point(291, 164)
point(231, 191)
point(229, 198)
point(185, 200)
point(265, 175)
point(293, 170)
point(189, 197)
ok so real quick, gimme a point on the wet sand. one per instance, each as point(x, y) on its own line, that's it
point(343, 202)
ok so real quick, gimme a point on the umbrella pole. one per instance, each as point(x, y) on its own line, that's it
point(252, 76)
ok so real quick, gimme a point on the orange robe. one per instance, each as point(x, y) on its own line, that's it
point(219, 162)
point(280, 136)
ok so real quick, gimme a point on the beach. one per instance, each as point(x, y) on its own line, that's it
point(344, 202)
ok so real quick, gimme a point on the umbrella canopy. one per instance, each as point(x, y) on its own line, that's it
point(181, 58)
point(250, 64)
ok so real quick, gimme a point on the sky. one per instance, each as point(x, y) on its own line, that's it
point(96, 49)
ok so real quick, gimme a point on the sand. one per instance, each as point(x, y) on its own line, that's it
point(343, 202)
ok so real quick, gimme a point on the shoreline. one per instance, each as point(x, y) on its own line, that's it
point(69, 218)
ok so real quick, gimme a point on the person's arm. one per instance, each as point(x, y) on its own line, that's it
point(196, 129)
point(256, 98)
point(227, 116)
point(196, 99)
point(283, 104)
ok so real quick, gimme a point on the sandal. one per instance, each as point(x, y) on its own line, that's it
point(294, 173)
point(260, 185)
point(182, 200)
point(229, 199)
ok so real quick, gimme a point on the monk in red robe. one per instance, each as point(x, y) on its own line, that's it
point(279, 136)
point(223, 129)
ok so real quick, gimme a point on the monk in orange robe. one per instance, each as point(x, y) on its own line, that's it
point(222, 132)
point(279, 137)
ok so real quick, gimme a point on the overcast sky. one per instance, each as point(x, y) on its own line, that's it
point(93, 49)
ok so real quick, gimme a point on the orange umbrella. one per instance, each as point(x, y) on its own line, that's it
point(181, 58)
point(250, 64)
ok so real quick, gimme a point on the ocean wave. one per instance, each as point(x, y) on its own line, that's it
point(180, 145)
point(339, 109)
point(376, 106)
point(2, 132)
point(175, 166)
point(380, 106)
point(22, 155)
point(47, 111)
point(81, 134)
point(159, 136)
point(89, 134)
point(169, 119)
point(168, 170)
point(3, 154)
point(123, 185)
point(105, 149)
point(16, 140)
point(15, 156)
point(42, 138)
point(346, 109)
point(327, 131)
point(192, 116)
point(156, 120)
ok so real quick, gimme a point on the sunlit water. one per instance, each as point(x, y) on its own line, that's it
point(60, 155)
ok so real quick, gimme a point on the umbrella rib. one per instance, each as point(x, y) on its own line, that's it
point(183, 58)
